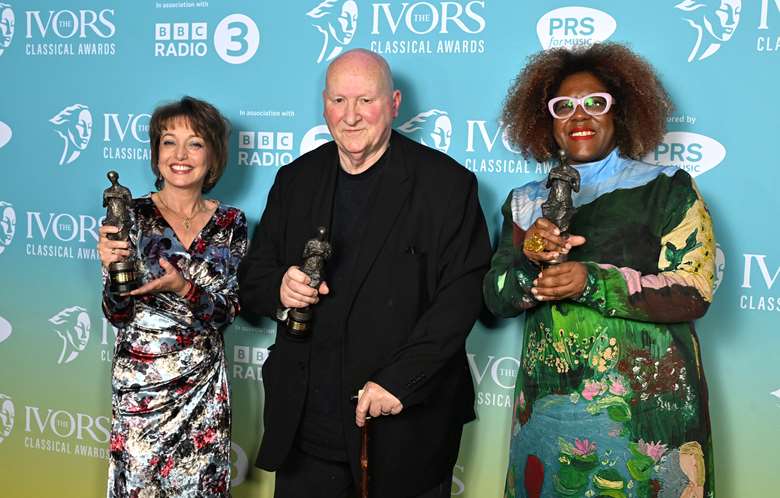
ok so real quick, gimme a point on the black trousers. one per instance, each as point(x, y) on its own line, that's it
point(306, 476)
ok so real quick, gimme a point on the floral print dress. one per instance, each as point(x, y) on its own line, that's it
point(170, 431)
point(611, 399)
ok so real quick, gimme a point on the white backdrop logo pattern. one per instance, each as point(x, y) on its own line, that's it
point(236, 39)
point(573, 27)
point(5, 134)
point(81, 32)
point(315, 137)
point(432, 128)
point(74, 125)
point(7, 26)
point(693, 152)
point(7, 225)
point(714, 23)
point(7, 415)
point(5, 329)
point(239, 464)
point(337, 20)
point(72, 325)
point(720, 267)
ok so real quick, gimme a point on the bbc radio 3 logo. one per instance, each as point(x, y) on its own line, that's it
point(7, 225)
point(265, 148)
point(571, 27)
point(7, 26)
point(692, 152)
point(714, 22)
point(432, 128)
point(236, 39)
point(248, 362)
point(7, 416)
point(337, 21)
point(316, 136)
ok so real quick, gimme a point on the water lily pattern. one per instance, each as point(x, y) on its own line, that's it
point(611, 399)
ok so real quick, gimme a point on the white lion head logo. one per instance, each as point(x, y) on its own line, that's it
point(72, 325)
point(6, 416)
point(7, 225)
point(434, 127)
point(337, 21)
point(714, 22)
point(74, 125)
point(7, 22)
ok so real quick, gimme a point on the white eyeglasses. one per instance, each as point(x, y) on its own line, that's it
point(594, 104)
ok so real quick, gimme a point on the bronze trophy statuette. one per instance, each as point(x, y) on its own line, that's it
point(123, 275)
point(559, 207)
point(315, 253)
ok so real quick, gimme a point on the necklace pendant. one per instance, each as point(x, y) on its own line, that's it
point(186, 224)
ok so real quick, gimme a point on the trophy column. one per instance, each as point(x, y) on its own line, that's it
point(123, 275)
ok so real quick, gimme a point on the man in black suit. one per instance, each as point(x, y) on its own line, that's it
point(400, 294)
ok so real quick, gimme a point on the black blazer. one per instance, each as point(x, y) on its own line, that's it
point(414, 297)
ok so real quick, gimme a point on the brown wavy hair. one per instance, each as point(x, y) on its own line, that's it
point(206, 121)
point(641, 102)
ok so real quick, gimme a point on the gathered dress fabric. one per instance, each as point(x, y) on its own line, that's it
point(611, 399)
point(170, 431)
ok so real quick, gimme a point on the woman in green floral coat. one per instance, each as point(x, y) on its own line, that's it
point(611, 399)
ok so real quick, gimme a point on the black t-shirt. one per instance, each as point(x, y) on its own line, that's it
point(321, 432)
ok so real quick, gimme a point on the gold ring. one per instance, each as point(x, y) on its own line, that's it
point(113, 250)
point(534, 243)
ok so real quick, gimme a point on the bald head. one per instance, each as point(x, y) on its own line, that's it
point(360, 104)
point(363, 61)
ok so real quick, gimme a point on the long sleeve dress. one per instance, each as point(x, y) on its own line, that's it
point(170, 431)
point(611, 399)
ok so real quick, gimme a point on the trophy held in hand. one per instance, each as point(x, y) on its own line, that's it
point(123, 275)
point(315, 253)
point(559, 207)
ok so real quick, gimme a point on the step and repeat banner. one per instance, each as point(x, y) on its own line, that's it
point(79, 79)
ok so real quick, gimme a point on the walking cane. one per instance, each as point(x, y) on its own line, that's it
point(363, 452)
point(364, 459)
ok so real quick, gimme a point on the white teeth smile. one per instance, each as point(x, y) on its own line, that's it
point(181, 167)
point(583, 133)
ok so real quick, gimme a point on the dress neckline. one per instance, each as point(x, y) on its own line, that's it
point(198, 236)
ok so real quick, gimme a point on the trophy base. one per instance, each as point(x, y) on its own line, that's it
point(299, 323)
point(123, 277)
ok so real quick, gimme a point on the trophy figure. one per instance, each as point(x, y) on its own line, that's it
point(559, 207)
point(315, 253)
point(123, 276)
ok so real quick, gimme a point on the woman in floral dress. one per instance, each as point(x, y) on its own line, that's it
point(611, 399)
point(170, 433)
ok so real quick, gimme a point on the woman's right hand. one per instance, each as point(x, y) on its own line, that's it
point(111, 251)
point(543, 241)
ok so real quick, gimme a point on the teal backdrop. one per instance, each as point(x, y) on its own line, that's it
point(79, 79)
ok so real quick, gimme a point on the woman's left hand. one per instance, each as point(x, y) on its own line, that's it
point(562, 281)
point(172, 281)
